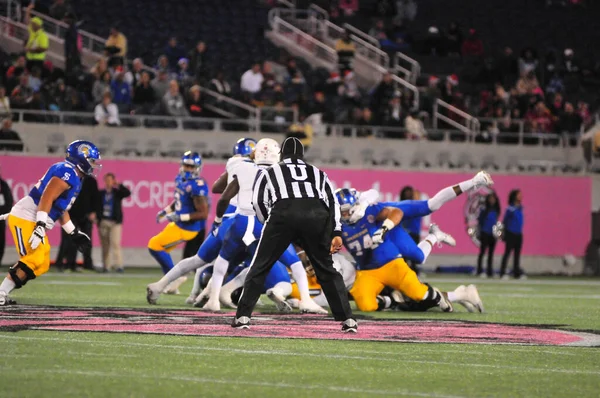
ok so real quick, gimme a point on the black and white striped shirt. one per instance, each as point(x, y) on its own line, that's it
point(293, 179)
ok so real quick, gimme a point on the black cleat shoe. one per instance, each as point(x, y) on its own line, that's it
point(242, 322)
point(350, 326)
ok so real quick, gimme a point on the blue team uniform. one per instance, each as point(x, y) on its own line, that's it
point(23, 215)
point(178, 232)
point(413, 210)
point(378, 266)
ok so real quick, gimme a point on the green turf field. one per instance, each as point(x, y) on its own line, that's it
point(36, 363)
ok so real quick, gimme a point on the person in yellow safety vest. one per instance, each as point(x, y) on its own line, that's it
point(37, 43)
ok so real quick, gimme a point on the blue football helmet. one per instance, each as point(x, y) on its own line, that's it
point(346, 197)
point(85, 156)
point(190, 159)
point(244, 146)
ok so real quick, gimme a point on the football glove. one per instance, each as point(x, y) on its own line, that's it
point(81, 239)
point(173, 217)
point(38, 234)
point(4, 216)
point(160, 216)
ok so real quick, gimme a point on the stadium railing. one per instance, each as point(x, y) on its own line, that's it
point(442, 111)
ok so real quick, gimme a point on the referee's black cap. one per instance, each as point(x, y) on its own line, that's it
point(292, 147)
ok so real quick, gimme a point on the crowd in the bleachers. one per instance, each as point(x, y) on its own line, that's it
point(522, 93)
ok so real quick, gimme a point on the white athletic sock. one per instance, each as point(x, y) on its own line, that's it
point(196, 288)
point(321, 300)
point(426, 245)
point(443, 196)
point(219, 270)
point(183, 267)
point(452, 297)
point(7, 286)
point(299, 275)
point(283, 289)
point(238, 281)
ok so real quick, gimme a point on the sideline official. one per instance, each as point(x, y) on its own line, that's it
point(297, 201)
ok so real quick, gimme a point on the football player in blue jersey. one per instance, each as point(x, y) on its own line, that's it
point(380, 264)
point(411, 209)
point(186, 214)
point(47, 202)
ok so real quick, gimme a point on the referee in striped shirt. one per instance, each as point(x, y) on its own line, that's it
point(295, 201)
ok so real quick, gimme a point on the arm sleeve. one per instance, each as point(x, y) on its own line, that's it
point(261, 197)
point(124, 192)
point(334, 206)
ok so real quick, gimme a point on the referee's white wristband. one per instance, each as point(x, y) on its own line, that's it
point(388, 224)
point(184, 217)
point(41, 216)
point(69, 227)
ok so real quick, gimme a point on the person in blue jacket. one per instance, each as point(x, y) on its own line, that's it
point(488, 217)
point(513, 233)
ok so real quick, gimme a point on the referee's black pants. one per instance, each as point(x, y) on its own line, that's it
point(305, 222)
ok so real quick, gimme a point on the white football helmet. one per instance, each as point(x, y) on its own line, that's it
point(266, 152)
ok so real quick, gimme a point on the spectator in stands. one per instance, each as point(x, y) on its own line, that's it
point(133, 76)
point(345, 49)
point(583, 110)
point(252, 80)
point(160, 84)
point(570, 66)
point(454, 39)
point(59, 9)
point(348, 7)
point(101, 86)
point(472, 46)
point(37, 43)
point(220, 85)
point(71, 46)
point(195, 102)
point(528, 84)
point(35, 79)
point(17, 68)
point(406, 10)
point(393, 112)
point(75, 102)
point(382, 96)
point(106, 113)
point(37, 102)
point(365, 119)
point(539, 119)
point(303, 131)
point(350, 89)
point(162, 64)
point(557, 104)
point(144, 97)
point(269, 80)
point(378, 31)
point(569, 121)
point(319, 106)
point(173, 103)
point(508, 67)
point(60, 96)
point(116, 47)
point(197, 59)
point(9, 139)
point(414, 126)
point(528, 61)
point(4, 104)
point(184, 77)
point(22, 94)
point(434, 43)
point(120, 90)
point(99, 68)
point(173, 53)
point(449, 88)
point(555, 85)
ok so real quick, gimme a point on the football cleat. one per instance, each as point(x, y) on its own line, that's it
point(152, 293)
point(465, 298)
point(350, 326)
point(293, 302)
point(482, 179)
point(441, 236)
point(5, 300)
point(190, 300)
point(483, 275)
point(242, 322)
point(505, 277)
point(282, 305)
point(444, 304)
point(173, 287)
point(310, 307)
point(213, 306)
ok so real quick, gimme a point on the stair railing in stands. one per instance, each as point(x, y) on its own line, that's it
point(443, 111)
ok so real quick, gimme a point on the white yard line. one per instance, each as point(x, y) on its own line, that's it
point(236, 382)
point(187, 350)
point(531, 281)
point(551, 296)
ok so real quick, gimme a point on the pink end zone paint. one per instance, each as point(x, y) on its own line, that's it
point(195, 323)
point(557, 208)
